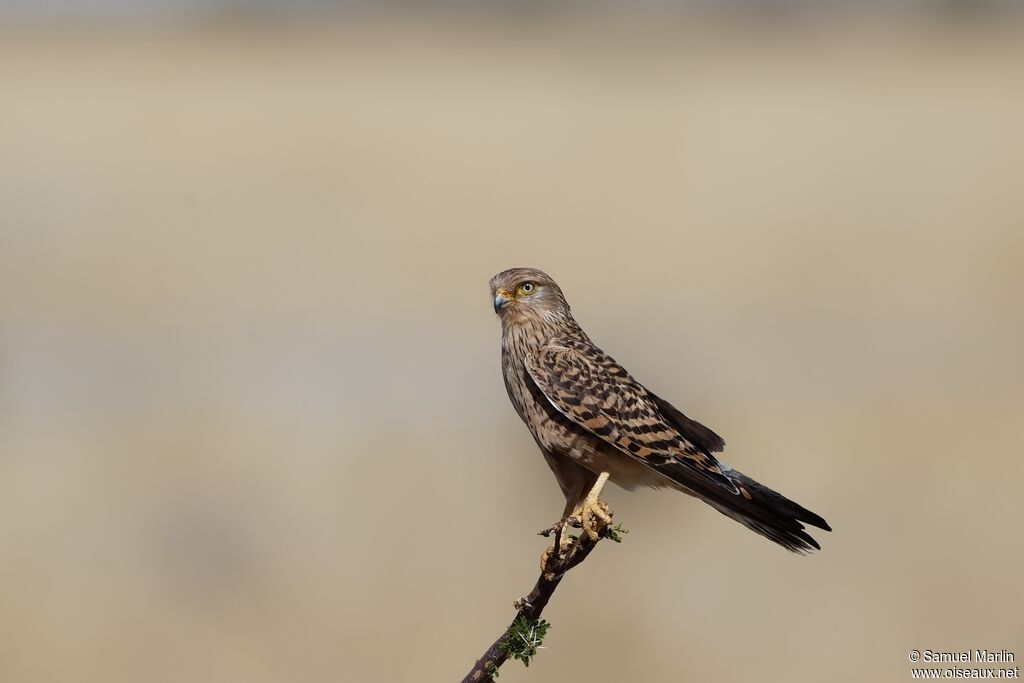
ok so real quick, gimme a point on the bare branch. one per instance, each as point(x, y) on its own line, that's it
point(531, 606)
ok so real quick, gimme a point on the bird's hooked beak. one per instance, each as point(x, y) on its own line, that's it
point(502, 298)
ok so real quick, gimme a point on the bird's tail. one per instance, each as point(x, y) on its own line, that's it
point(765, 511)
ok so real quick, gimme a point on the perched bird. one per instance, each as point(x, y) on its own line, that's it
point(594, 422)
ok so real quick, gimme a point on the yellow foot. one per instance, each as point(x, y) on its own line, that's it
point(560, 545)
point(593, 516)
point(550, 557)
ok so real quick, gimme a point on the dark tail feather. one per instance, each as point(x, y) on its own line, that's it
point(762, 510)
point(771, 514)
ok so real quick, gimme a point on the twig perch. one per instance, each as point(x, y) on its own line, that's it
point(529, 608)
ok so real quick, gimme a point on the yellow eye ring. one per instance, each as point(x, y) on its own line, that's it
point(527, 288)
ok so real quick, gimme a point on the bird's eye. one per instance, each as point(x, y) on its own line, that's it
point(527, 288)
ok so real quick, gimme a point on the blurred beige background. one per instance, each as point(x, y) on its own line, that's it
point(252, 425)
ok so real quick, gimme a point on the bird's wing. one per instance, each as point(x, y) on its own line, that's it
point(589, 388)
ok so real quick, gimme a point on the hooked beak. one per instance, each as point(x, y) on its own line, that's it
point(502, 298)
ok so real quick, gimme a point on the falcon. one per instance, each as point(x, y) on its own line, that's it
point(594, 422)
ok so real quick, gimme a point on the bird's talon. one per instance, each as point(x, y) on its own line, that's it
point(550, 558)
point(595, 516)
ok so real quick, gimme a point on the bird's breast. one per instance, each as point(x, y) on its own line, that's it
point(552, 430)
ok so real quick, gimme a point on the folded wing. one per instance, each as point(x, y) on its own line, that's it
point(589, 388)
point(592, 390)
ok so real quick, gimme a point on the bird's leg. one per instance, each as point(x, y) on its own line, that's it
point(559, 544)
point(593, 514)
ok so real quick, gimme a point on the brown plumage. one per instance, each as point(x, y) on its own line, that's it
point(593, 421)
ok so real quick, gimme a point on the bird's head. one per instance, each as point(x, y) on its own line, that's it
point(523, 293)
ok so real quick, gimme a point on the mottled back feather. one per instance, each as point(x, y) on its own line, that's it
point(691, 430)
point(591, 389)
